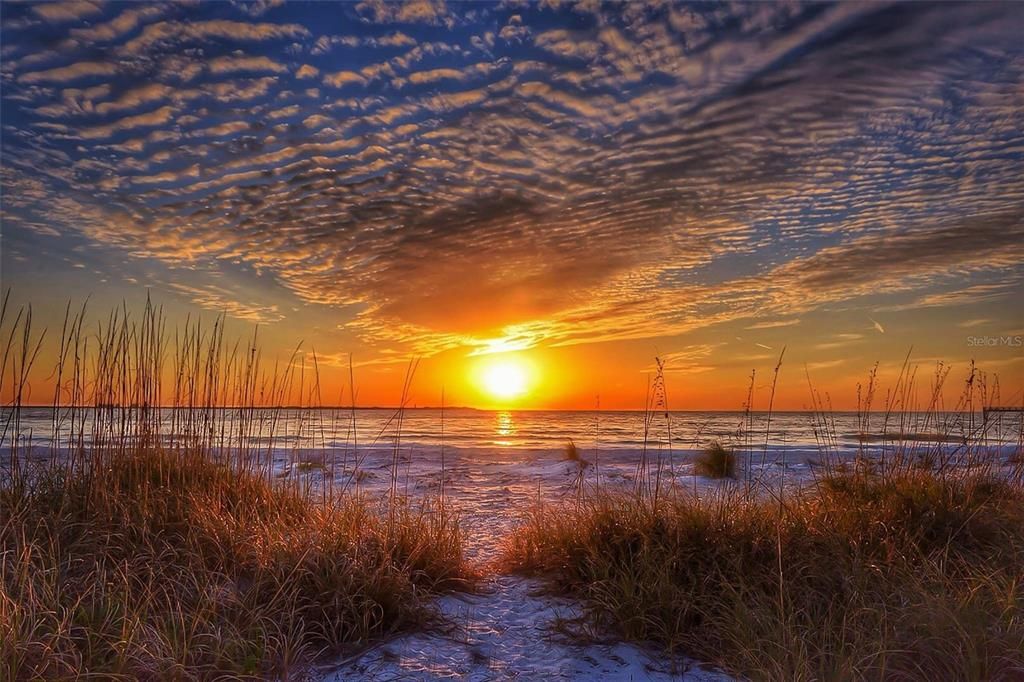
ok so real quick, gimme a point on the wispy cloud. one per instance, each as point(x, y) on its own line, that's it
point(66, 11)
point(72, 72)
point(774, 324)
point(221, 300)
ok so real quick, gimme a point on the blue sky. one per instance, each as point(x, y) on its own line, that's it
point(422, 178)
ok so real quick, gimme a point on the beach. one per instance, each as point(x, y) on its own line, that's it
point(492, 467)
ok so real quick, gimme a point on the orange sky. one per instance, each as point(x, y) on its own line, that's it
point(709, 368)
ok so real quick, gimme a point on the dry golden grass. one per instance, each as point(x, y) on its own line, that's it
point(909, 576)
point(168, 565)
point(129, 552)
point(715, 461)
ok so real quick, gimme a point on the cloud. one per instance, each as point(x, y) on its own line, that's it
point(406, 12)
point(232, 64)
point(774, 324)
point(256, 8)
point(975, 322)
point(396, 39)
point(864, 263)
point(72, 72)
point(124, 23)
point(826, 364)
point(435, 75)
point(135, 97)
point(577, 178)
point(66, 11)
point(691, 360)
point(341, 78)
point(514, 31)
point(221, 300)
point(169, 32)
point(969, 295)
point(229, 128)
point(148, 119)
point(564, 43)
point(324, 44)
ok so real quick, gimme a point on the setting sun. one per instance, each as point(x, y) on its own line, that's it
point(505, 379)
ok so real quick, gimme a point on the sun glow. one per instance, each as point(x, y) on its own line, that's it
point(505, 378)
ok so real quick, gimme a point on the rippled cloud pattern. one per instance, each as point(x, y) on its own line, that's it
point(465, 175)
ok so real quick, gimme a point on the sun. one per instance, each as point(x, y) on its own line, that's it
point(505, 379)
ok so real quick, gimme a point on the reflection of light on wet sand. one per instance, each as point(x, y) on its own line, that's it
point(504, 429)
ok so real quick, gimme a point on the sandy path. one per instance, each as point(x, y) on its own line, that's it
point(508, 629)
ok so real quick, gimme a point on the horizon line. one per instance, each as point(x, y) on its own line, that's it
point(50, 406)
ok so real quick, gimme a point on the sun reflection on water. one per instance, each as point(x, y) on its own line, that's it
point(504, 429)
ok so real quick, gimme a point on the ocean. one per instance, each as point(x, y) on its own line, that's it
point(425, 429)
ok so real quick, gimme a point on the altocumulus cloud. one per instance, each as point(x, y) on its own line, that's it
point(541, 173)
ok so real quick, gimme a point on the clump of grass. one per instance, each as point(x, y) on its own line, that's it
point(572, 453)
point(309, 465)
point(908, 576)
point(159, 564)
point(716, 461)
point(152, 539)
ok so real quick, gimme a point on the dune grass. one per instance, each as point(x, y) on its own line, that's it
point(905, 576)
point(164, 543)
point(169, 565)
point(715, 461)
point(902, 564)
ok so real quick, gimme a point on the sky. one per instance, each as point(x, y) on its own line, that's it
point(572, 189)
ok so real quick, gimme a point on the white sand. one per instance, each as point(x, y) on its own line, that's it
point(509, 629)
